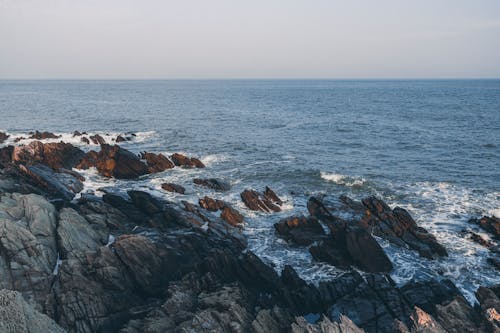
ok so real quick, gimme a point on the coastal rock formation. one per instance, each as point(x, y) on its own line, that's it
point(186, 162)
point(114, 161)
point(231, 216)
point(211, 204)
point(171, 187)
point(266, 202)
point(213, 183)
point(97, 139)
point(489, 224)
point(300, 229)
point(55, 154)
point(3, 137)
point(156, 162)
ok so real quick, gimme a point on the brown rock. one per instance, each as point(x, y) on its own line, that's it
point(84, 139)
point(231, 216)
point(170, 187)
point(3, 137)
point(213, 183)
point(186, 162)
point(157, 162)
point(211, 204)
point(260, 202)
point(97, 139)
point(56, 154)
point(490, 224)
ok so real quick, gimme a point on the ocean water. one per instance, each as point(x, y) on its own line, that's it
point(430, 146)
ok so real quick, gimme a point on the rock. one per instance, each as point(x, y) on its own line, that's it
point(457, 316)
point(157, 162)
point(43, 135)
point(3, 137)
point(114, 161)
point(260, 202)
point(171, 187)
point(6, 156)
point(326, 326)
point(213, 183)
point(120, 138)
point(77, 133)
point(300, 230)
point(97, 139)
point(271, 196)
point(211, 204)
point(490, 224)
point(84, 139)
point(480, 240)
point(494, 261)
point(19, 138)
point(490, 307)
point(17, 316)
point(186, 162)
point(231, 216)
point(63, 185)
point(55, 154)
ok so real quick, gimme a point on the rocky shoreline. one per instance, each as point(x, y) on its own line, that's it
point(138, 263)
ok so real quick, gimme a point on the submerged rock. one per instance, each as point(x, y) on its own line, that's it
point(171, 187)
point(490, 224)
point(213, 183)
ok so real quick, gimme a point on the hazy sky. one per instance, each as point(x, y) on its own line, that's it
point(249, 39)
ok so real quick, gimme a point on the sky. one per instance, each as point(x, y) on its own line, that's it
point(191, 39)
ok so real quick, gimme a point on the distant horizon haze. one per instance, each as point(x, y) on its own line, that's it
point(274, 39)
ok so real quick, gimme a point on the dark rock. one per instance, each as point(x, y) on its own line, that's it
point(186, 162)
point(84, 139)
point(490, 224)
point(171, 187)
point(271, 196)
point(6, 156)
point(114, 161)
point(494, 261)
point(3, 137)
point(480, 240)
point(19, 138)
point(97, 139)
point(157, 162)
point(299, 229)
point(231, 216)
point(490, 307)
point(77, 133)
point(260, 202)
point(211, 204)
point(43, 135)
point(213, 183)
point(56, 155)
point(120, 138)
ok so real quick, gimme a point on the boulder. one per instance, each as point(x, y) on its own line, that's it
point(231, 216)
point(55, 154)
point(43, 135)
point(114, 161)
point(300, 229)
point(3, 137)
point(186, 162)
point(171, 187)
point(157, 162)
point(85, 140)
point(6, 156)
point(266, 202)
point(490, 224)
point(119, 139)
point(213, 183)
point(97, 139)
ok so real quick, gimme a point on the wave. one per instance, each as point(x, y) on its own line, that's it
point(344, 180)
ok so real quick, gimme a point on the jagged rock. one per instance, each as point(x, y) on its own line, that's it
point(490, 224)
point(3, 137)
point(211, 204)
point(186, 162)
point(267, 202)
point(119, 139)
point(55, 154)
point(171, 187)
point(326, 326)
point(231, 216)
point(43, 135)
point(97, 139)
point(114, 161)
point(77, 133)
point(17, 316)
point(490, 307)
point(213, 183)
point(84, 139)
point(157, 162)
point(6, 156)
point(300, 229)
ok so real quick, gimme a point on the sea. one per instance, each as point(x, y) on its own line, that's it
point(429, 146)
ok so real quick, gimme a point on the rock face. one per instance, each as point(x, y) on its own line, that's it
point(56, 154)
point(114, 161)
point(213, 183)
point(300, 229)
point(17, 316)
point(186, 162)
point(266, 202)
point(170, 187)
point(156, 162)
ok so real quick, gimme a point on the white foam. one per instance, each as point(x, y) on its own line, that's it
point(212, 159)
point(341, 179)
point(495, 212)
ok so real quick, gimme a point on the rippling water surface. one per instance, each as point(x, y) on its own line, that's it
point(432, 147)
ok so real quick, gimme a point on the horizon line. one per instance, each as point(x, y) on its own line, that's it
point(256, 79)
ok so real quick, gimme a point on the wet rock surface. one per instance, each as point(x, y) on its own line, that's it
point(213, 183)
point(171, 187)
point(264, 202)
point(186, 162)
point(156, 162)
